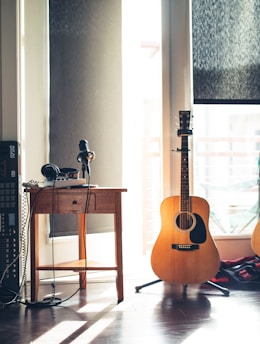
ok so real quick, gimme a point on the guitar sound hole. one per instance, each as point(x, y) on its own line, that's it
point(185, 221)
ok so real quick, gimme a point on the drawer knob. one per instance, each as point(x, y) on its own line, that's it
point(74, 202)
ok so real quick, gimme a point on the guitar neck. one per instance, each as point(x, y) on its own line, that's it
point(185, 189)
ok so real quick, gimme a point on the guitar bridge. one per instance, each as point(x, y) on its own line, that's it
point(185, 247)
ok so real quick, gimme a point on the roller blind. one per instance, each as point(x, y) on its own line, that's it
point(226, 51)
point(85, 95)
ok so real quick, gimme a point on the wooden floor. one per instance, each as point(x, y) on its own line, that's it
point(157, 314)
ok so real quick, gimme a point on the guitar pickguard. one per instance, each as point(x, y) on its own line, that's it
point(198, 235)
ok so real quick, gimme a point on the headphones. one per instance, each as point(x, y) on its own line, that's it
point(53, 172)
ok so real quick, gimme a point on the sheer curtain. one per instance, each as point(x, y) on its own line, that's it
point(226, 168)
point(142, 124)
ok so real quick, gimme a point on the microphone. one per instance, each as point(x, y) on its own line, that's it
point(85, 156)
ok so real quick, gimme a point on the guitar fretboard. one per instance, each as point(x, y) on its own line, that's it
point(185, 190)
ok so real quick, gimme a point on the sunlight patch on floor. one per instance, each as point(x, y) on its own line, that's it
point(95, 330)
point(59, 332)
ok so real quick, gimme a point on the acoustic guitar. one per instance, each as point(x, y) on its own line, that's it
point(184, 251)
point(255, 239)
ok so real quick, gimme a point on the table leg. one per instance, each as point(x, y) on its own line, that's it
point(34, 238)
point(82, 249)
point(118, 248)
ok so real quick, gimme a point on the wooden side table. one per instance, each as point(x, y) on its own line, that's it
point(81, 201)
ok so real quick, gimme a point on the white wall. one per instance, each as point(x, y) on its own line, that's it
point(24, 87)
point(176, 81)
point(34, 87)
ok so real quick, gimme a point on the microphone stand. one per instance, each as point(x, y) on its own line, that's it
point(84, 168)
point(85, 157)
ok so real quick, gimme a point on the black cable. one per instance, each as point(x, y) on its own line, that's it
point(22, 244)
point(24, 251)
point(53, 301)
point(88, 195)
point(45, 302)
point(86, 210)
point(52, 234)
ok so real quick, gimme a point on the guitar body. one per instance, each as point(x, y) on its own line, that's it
point(255, 240)
point(185, 255)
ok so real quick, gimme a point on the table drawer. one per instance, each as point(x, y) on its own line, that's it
point(70, 203)
point(55, 203)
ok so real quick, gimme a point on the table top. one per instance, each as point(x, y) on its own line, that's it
point(76, 189)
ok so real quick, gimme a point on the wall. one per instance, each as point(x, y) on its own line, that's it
point(9, 99)
point(24, 80)
point(176, 82)
point(24, 95)
point(34, 89)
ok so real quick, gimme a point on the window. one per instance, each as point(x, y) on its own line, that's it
point(226, 53)
point(226, 167)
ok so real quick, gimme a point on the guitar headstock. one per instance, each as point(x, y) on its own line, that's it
point(184, 119)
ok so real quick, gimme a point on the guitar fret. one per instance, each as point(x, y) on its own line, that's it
point(185, 192)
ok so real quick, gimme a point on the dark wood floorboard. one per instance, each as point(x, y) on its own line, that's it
point(157, 314)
